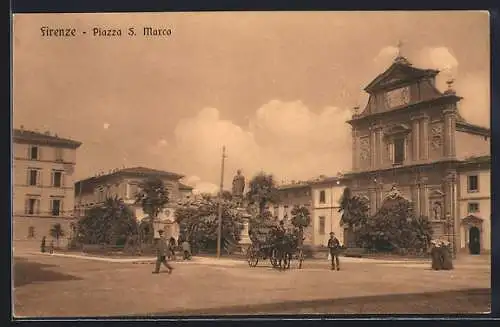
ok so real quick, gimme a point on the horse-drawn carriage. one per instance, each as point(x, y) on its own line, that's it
point(279, 247)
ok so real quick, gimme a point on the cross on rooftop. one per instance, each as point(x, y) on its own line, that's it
point(399, 46)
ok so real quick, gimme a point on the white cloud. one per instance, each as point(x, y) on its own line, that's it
point(437, 58)
point(293, 141)
point(474, 87)
point(385, 56)
point(205, 187)
point(158, 148)
point(284, 138)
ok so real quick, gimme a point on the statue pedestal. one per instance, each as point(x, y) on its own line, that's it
point(244, 237)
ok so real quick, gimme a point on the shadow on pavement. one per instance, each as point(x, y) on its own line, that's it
point(446, 302)
point(27, 272)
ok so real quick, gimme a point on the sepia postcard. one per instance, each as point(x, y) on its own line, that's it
point(251, 163)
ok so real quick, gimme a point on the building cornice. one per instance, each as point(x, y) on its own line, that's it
point(441, 100)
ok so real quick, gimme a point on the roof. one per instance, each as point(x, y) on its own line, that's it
point(184, 187)
point(149, 172)
point(328, 180)
point(291, 186)
point(463, 126)
point(26, 136)
point(477, 162)
point(400, 70)
point(133, 172)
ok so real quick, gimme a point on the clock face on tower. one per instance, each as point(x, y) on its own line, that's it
point(398, 97)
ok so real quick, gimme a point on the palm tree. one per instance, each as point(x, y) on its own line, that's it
point(153, 198)
point(57, 232)
point(262, 190)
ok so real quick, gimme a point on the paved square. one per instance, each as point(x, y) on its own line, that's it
point(63, 286)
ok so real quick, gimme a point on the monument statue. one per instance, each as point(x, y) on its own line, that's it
point(238, 184)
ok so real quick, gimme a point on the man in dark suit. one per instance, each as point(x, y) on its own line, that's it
point(334, 247)
point(161, 254)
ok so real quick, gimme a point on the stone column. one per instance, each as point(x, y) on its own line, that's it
point(449, 131)
point(414, 190)
point(381, 148)
point(373, 148)
point(450, 207)
point(423, 197)
point(355, 154)
point(372, 194)
point(415, 139)
point(379, 193)
point(424, 137)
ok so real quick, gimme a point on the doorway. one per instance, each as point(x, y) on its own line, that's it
point(474, 241)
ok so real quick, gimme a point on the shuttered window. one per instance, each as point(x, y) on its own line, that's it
point(32, 206)
point(57, 179)
point(322, 226)
point(34, 177)
point(34, 153)
point(322, 197)
point(55, 207)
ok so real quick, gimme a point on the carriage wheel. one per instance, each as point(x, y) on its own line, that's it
point(286, 261)
point(300, 258)
point(252, 257)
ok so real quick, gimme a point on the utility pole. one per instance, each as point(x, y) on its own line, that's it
point(219, 229)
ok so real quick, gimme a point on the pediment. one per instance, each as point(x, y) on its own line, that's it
point(398, 73)
point(472, 220)
point(397, 129)
point(436, 194)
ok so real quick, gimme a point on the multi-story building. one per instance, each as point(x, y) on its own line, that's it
point(124, 184)
point(42, 196)
point(290, 195)
point(326, 195)
point(474, 196)
point(412, 136)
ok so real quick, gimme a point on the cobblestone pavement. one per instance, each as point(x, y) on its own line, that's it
point(65, 286)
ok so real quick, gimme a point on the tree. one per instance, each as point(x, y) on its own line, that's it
point(355, 213)
point(153, 197)
point(227, 196)
point(395, 227)
point(56, 232)
point(110, 223)
point(198, 223)
point(262, 191)
point(301, 218)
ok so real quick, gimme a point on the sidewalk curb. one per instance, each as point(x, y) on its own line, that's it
point(145, 260)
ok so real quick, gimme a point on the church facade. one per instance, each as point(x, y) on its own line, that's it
point(411, 136)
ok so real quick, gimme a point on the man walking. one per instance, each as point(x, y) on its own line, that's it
point(334, 247)
point(186, 249)
point(161, 252)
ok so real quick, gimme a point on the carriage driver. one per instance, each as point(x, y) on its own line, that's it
point(281, 230)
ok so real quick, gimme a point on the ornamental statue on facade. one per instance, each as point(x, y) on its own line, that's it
point(394, 193)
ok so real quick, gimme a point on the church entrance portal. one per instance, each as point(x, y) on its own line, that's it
point(474, 240)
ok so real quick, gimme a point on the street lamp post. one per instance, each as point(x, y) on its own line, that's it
point(219, 227)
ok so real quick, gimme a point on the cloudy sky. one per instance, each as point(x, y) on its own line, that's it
point(275, 88)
